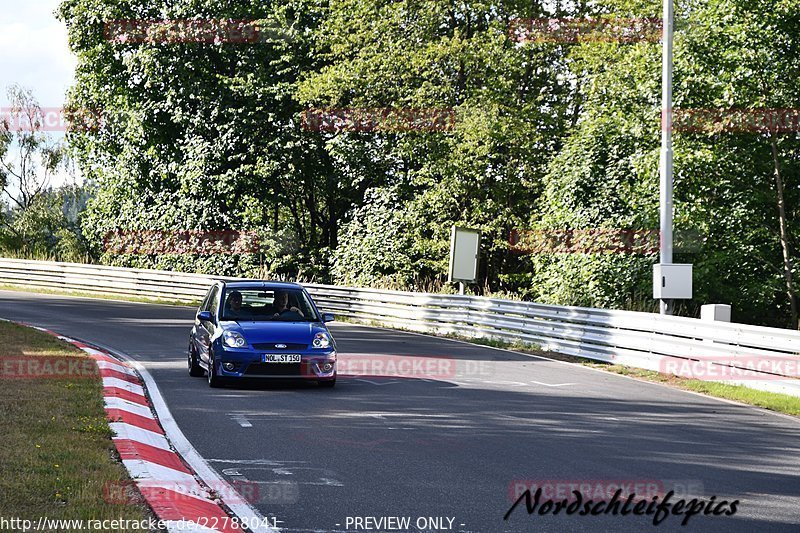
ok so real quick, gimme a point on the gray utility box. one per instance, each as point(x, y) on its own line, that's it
point(672, 281)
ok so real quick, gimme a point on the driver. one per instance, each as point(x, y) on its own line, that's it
point(281, 304)
point(234, 304)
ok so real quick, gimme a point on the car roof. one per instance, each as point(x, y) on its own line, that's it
point(261, 284)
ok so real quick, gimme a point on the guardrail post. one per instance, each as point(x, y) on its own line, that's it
point(718, 312)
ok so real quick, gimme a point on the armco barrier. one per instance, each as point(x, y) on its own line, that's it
point(642, 340)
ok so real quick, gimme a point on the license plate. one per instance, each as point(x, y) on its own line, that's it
point(282, 358)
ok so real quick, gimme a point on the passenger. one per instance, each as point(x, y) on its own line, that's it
point(281, 305)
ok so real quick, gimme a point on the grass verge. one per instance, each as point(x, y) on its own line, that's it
point(781, 403)
point(56, 453)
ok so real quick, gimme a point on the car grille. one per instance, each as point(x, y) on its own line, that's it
point(273, 369)
point(271, 346)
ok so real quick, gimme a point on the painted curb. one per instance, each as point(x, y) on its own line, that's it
point(165, 478)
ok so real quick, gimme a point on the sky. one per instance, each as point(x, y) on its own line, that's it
point(34, 53)
point(34, 50)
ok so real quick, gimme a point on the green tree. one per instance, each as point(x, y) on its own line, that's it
point(512, 104)
point(201, 135)
point(746, 64)
point(725, 195)
point(555, 133)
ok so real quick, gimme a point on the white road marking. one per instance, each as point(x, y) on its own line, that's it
point(553, 384)
point(327, 482)
point(382, 414)
point(314, 476)
point(321, 482)
point(512, 383)
point(379, 383)
point(242, 421)
point(264, 462)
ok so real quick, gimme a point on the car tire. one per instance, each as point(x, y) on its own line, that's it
point(329, 384)
point(195, 370)
point(214, 380)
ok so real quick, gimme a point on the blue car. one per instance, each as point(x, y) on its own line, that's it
point(263, 330)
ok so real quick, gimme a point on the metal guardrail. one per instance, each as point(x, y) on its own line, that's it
point(759, 357)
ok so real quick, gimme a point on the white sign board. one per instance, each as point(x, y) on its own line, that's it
point(464, 246)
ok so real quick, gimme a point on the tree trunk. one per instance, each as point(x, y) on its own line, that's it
point(787, 258)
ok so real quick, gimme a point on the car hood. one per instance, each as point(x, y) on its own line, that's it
point(299, 332)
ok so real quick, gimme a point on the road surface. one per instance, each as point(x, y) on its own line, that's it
point(447, 448)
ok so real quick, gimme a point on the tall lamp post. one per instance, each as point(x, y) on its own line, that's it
point(665, 168)
point(670, 281)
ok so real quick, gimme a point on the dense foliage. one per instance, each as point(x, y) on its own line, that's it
point(549, 133)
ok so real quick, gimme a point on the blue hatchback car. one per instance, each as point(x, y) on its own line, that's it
point(261, 329)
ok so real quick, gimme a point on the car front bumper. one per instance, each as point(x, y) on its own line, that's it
point(235, 363)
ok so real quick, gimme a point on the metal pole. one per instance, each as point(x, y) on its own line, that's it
point(665, 168)
point(461, 287)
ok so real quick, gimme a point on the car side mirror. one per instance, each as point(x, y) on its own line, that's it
point(328, 317)
point(205, 316)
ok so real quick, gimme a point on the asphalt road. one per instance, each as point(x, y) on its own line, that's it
point(454, 442)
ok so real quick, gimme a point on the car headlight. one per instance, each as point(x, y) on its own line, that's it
point(321, 340)
point(233, 339)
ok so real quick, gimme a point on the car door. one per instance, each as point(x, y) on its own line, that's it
point(194, 336)
point(205, 328)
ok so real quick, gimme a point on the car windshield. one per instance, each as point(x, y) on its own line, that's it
point(258, 304)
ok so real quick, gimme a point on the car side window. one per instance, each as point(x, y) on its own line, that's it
point(213, 302)
point(204, 304)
